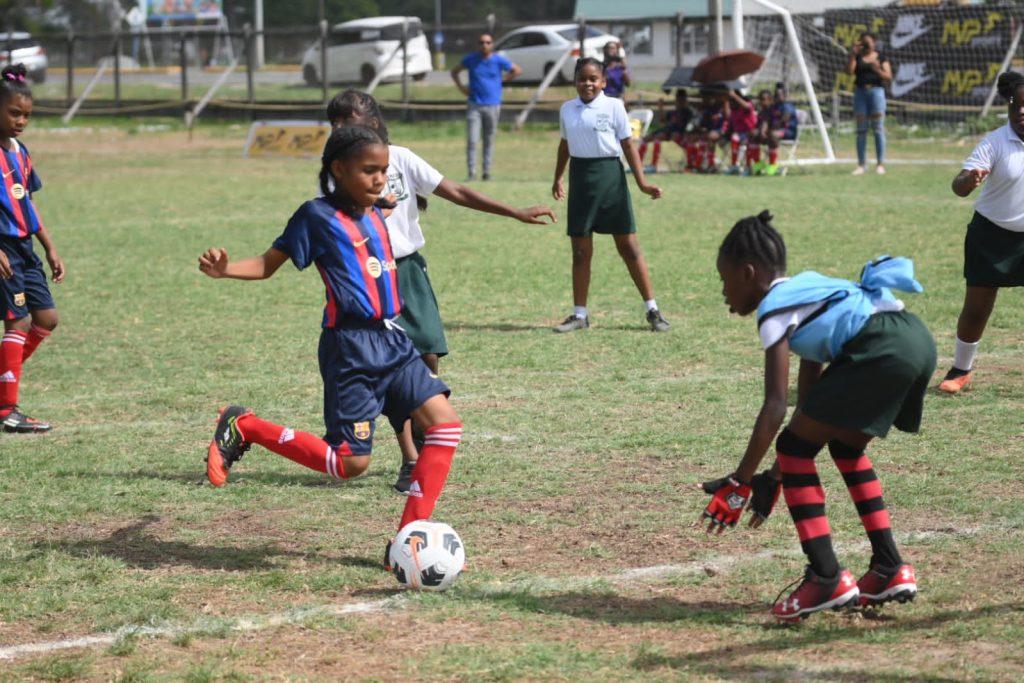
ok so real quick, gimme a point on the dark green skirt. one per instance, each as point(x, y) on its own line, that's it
point(993, 256)
point(879, 379)
point(599, 198)
point(421, 318)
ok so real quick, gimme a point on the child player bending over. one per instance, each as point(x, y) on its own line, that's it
point(368, 364)
point(26, 305)
point(879, 360)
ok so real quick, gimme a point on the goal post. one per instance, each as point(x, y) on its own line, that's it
point(798, 55)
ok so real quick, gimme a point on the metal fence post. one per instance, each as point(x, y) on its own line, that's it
point(250, 63)
point(71, 67)
point(117, 70)
point(323, 59)
point(679, 39)
point(581, 36)
point(405, 67)
point(835, 111)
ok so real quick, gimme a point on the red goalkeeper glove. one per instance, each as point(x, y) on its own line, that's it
point(729, 497)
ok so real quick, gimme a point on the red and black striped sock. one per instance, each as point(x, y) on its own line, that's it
point(866, 491)
point(806, 501)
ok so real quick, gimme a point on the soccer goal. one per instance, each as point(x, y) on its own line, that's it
point(773, 34)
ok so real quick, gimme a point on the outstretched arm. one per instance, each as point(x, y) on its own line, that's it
point(458, 193)
point(214, 262)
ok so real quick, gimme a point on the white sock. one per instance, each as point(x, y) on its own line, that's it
point(963, 357)
point(580, 312)
point(651, 305)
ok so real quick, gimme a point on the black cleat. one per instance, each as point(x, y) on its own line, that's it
point(657, 321)
point(227, 445)
point(17, 422)
point(404, 481)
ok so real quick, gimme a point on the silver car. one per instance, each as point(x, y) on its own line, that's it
point(537, 48)
point(21, 48)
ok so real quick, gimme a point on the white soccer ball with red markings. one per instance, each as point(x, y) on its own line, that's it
point(427, 556)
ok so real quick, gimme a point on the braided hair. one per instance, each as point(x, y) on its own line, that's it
point(14, 81)
point(1008, 84)
point(355, 103)
point(589, 61)
point(345, 143)
point(754, 240)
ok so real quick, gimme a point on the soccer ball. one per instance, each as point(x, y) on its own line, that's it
point(427, 555)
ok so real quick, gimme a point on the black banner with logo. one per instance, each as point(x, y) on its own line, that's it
point(938, 55)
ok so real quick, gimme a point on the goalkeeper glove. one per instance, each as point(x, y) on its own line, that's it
point(728, 499)
point(765, 492)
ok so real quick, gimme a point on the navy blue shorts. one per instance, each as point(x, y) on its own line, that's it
point(370, 370)
point(26, 290)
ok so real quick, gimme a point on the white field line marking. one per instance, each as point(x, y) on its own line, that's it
point(241, 625)
point(716, 564)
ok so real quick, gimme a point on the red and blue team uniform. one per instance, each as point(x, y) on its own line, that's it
point(26, 290)
point(782, 116)
point(368, 365)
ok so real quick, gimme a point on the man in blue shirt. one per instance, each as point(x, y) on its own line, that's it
point(487, 74)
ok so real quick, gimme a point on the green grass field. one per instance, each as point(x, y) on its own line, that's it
point(574, 487)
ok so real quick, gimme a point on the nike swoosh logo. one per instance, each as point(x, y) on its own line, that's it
point(359, 244)
point(8, 173)
point(901, 39)
point(900, 88)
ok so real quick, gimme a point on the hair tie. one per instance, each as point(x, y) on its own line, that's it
point(11, 76)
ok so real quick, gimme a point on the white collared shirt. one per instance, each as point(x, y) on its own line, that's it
point(594, 129)
point(1001, 152)
point(408, 176)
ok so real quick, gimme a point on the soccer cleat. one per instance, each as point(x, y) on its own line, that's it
point(956, 380)
point(878, 587)
point(227, 445)
point(771, 169)
point(17, 422)
point(404, 481)
point(572, 323)
point(815, 594)
point(657, 321)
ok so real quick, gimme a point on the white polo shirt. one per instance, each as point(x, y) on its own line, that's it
point(408, 176)
point(1001, 152)
point(595, 128)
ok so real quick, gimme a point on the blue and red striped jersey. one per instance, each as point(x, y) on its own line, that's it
point(18, 218)
point(353, 256)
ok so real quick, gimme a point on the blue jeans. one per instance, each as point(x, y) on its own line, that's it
point(869, 108)
point(480, 118)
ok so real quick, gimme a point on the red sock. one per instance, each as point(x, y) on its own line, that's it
point(711, 154)
point(36, 335)
point(773, 155)
point(734, 145)
point(11, 351)
point(753, 154)
point(657, 153)
point(301, 447)
point(642, 151)
point(431, 471)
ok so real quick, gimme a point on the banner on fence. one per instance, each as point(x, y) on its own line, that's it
point(184, 10)
point(287, 138)
point(938, 55)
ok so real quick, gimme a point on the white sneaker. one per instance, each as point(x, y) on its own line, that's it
point(880, 170)
point(858, 171)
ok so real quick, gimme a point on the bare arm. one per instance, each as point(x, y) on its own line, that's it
point(773, 409)
point(633, 158)
point(214, 262)
point(966, 181)
point(562, 160)
point(56, 262)
point(458, 193)
point(810, 372)
point(458, 81)
point(851, 62)
point(512, 73)
point(884, 70)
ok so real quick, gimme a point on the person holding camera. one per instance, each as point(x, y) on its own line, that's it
point(872, 71)
point(616, 73)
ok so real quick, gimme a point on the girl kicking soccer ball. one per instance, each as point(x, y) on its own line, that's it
point(595, 130)
point(880, 359)
point(26, 305)
point(994, 247)
point(369, 366)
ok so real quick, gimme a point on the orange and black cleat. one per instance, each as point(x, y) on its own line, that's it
point(227, 446)
point(956, 380)
point(17, 422)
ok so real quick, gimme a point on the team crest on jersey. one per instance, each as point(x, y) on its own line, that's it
point(361, 430)
point(602, 123)
point(397, 186)
point(373, 266)
point(17, 190)
point(19, 299)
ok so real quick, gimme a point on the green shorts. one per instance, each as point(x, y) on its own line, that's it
point(420, 318)
point(879, 378)
point(993, 256)
point(599, 198)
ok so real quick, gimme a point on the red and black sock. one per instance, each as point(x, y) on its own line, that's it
point(773, 155)
point(12, 348)
point(866, 491)
point(753, 153)
point(734, 146)
point(301, 447)
point(656, 155)
point(806, 501)
point(431, 470)
point(36, 336)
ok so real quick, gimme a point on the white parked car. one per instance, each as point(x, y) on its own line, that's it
point(359, 50)
point(536, 48)
point(24, 49)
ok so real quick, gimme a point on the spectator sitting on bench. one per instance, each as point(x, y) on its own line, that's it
point(674, 126)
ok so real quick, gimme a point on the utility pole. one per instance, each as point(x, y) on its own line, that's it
point(715, 12)
point(257, 16)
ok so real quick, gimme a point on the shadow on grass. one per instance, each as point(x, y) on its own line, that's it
point(458, 326)
point(722, 661)
point(137, 548)
point(312, 479)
